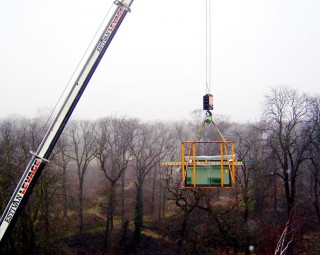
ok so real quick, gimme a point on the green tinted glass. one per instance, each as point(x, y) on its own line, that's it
point(208, 176)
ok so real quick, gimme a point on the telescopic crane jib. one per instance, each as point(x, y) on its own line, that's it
point(77, 85)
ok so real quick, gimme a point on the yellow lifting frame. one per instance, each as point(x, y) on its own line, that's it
point(224, 161)
point(185, 161)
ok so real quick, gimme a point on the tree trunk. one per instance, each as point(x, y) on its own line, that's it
point(160, 198)
point(80, 222)
point(275, 201)
point(317, 208)
point(109, 226)
point(287, 190)
point(153, 190)
point(122, 198)
point(164, 195)
point(182, 231)
point(64, 192)
point(46, 211)
point(316, 202)
point(111, 204)
point(138, 215)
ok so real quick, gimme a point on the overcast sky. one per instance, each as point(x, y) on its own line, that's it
point(155, 67)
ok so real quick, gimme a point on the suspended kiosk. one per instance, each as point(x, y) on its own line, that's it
point(215, 169)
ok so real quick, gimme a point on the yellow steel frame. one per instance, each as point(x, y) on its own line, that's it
point(223, 144)
point(231, 163)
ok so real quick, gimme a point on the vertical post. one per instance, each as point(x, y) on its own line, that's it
point(221, 164)
point(233, 165)
point(194, 164)
point(183, 169)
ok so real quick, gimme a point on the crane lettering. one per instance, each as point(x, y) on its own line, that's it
point(23, 188)
point(110, 29)
point(29, 176)
point(14, 206)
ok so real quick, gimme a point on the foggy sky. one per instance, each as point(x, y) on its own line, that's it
point(155, 66)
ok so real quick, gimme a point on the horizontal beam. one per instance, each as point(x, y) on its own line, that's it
point(226, 142)
point(202, 163)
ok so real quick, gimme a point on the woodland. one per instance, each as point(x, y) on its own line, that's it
point(104, 191)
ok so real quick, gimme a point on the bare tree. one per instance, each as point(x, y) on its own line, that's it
point(249, 177)
point(12, 160)
point(287, 115)
point(151, 144)
point(10, 157)
point(62, 160)
point(286, 112)
point(314, 151)
point(113, 139)
point(186, 200)
point(82, 142)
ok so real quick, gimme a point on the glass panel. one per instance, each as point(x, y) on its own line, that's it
point(208, 176)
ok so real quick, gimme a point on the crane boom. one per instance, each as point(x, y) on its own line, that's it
point(77, 84)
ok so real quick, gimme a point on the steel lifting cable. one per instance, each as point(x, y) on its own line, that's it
point(208, 73)
point(208, 46)
point(208, 118)
point(208, 76)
